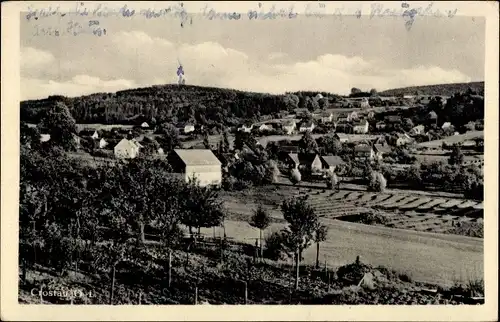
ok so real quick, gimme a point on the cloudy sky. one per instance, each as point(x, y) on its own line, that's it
point(306, 53)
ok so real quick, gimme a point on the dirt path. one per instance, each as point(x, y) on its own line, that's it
point(426, 257)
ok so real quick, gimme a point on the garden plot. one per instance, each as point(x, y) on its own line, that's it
point(479, 206)
point(467, 204)
point(341, 194)
point(415, 203)
point(379, 199)
point(367, 197)
point(391, 200)
point(431, 204)
point(353, 196)
point(451, 203)
point(400, 203)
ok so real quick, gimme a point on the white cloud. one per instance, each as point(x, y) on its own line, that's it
point(34, 58)
point(137, 59)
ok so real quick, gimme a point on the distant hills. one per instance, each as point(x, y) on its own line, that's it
point(213, 107)
point(441, 89)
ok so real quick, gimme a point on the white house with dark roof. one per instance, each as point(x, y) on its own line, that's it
point(201, 164)
point(360, 127)
point(331, 162)
point(188, 128)
point(307, 126)
point(289, 126)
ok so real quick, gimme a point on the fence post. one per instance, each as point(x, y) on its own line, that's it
point(329, 282)
point(169, 268)
point(112, 286)
point(246, 291)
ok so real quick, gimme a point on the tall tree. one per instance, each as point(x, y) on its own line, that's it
point(456, 156)
point(260, 220)
point(319, 236)
point(302, 225)
point(60, 124)
point(307, 143)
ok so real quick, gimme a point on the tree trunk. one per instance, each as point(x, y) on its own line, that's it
point(112, 285)
point(317, 255)
point(260, 240)
point(297, 268)
point(142, 238)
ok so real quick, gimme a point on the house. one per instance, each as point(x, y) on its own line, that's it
point(318, 97)
point(363, 152)
point(188, 128)
point(403, 139)
point(247, 127)
point(201, 164)
point(381, 150)
point(126, 149)
point(326, 117)
point(393, 119)
point(266, 127)
point(364, 103)
point(102, 143)
point(301, 112)
point(341, 137)
point(305, 162)
point(417, 130)
point(289, 127)
point(44, 137)
point(380, 125)
point(432, 117)
point(408, 96)
point(446, 125)
point(145, 125)
point(89, 133)
point(160, 151)
point(360, 127)
point(331, 162)
point(307, 126)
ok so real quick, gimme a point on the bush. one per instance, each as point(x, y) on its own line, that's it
point(274, 248)
point(332, 181)
point(295, 176)
point(377, 182)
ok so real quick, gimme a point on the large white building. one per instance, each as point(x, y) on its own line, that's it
point(201, 164)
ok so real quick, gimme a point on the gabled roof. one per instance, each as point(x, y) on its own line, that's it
point(124, 143)
point(384, 148)
point(303, 158)
point(432, 115)
point(197, 157)
point(362, 148)
point(326, 114)
point(289, 123)
point(306, 124)
point(392, 118)
point(342, 135)
point(360, 123)
point(332, 160)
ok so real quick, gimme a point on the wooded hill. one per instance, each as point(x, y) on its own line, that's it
point(441, 89)
point(173, 103)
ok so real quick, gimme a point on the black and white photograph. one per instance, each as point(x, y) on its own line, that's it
point(288, 153)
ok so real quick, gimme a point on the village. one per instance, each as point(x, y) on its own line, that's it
point(371, 169)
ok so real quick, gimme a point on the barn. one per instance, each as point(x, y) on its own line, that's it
point(199, 163)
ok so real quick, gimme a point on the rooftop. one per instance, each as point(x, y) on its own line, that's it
point(197, 157)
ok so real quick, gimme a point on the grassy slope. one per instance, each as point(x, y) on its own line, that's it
point(432, 258)
point(441, 89)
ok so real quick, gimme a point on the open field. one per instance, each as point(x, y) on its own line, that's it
point(107, 127)
point(441, 259)
point(453, 139)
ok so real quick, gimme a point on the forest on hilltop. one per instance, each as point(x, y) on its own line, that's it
point(441, 89)
point(168, 103)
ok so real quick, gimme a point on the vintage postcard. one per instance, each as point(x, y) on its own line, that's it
point(249, 160)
